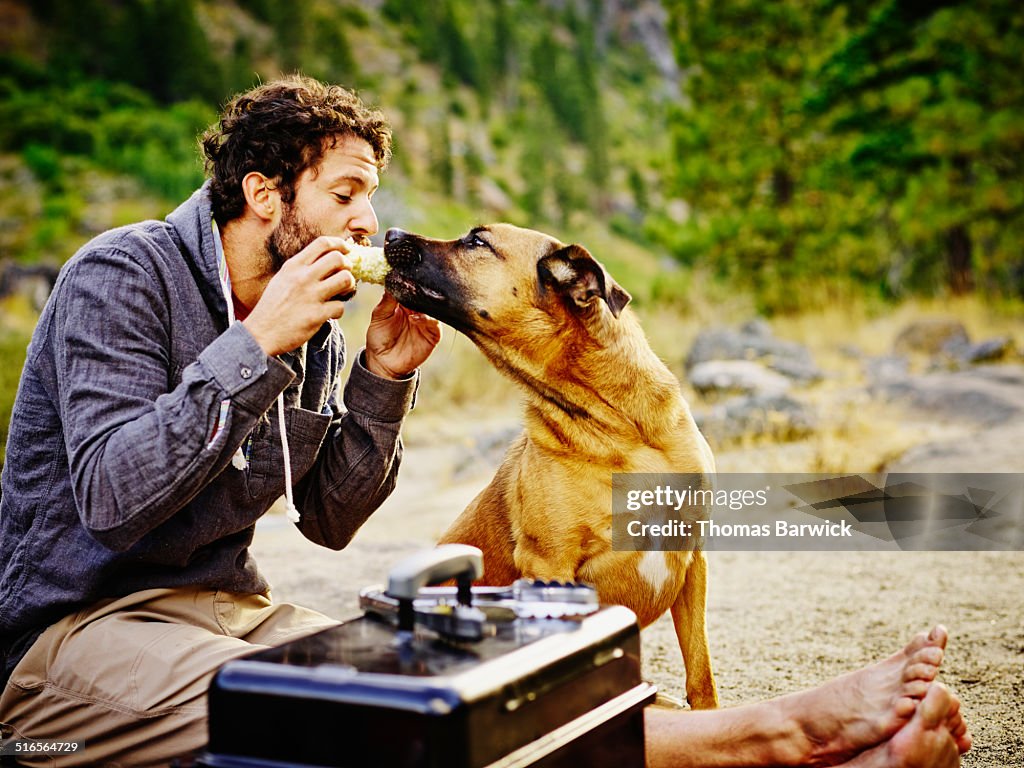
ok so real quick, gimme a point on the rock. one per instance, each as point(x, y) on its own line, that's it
point(32, 280)
point(989, 351)
point(779, 417)
point(804, 371)
point(745, 376)
point(754, 341)
point(982, 395)
point(931, 335)
point(988, 450)
point(886, 368)
point(758, 327)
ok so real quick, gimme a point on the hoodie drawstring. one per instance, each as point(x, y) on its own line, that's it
point(290, 509)
point(238, 459)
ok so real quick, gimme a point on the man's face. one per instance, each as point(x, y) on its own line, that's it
point(332, 198)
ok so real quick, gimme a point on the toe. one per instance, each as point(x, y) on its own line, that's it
point(916, 689)
point(919, 641)
point(954, 706)
point(935, 707)
point(931, 654)
point(957, 726)
point(964, 742)
point(905, 707)
point(926, 672)
point(938, 636)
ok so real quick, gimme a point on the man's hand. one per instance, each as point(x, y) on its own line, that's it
point(398, 339)
point(300, 298)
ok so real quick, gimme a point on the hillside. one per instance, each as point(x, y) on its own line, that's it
point(802, 153)
point(550, 114)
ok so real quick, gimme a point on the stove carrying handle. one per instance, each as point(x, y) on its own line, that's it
point(461, 562)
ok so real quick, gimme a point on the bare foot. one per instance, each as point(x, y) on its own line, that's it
point(862, 709)
point(871, 716)
point(957, 726)
point(924, 742)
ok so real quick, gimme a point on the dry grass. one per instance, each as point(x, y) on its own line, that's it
point(829, 332)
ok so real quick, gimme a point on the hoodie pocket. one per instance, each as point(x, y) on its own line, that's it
point(306, 432)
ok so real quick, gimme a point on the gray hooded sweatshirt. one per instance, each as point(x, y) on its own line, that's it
point(134, 398)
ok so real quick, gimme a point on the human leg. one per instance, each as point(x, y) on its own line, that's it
point(128, 677)
point(821, 726)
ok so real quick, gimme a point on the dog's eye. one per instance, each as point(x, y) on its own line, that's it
point(474, 241)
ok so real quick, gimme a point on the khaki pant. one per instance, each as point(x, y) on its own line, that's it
point(128, 677)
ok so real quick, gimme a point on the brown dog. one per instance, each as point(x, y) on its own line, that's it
point(598, 401)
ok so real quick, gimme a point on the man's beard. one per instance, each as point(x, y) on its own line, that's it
point(291, 235)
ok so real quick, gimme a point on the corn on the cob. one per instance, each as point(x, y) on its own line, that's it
point(368, 263)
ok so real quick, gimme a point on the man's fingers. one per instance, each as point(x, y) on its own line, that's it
point(338, 284)
point(428, 326)
point(319, 247)
point(385, 307)
point(330, 263)
point(335, 309)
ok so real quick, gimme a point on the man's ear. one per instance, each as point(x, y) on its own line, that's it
point(261, 195)
point(574, 274)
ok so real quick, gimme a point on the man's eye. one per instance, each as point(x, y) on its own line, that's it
point(343, 198)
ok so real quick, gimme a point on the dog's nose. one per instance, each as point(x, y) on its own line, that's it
point(401, 248)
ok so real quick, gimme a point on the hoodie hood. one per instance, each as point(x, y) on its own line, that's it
point(192, 222)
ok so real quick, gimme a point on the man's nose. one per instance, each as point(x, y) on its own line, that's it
point(394, 234)
point(365, 221)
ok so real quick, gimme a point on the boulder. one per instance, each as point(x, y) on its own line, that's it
point(883, 369)
point(754, 342)
point(931, 336)
point(35, 281)
point(985, 396)
point(778, 417)
point(737, 376)
point(988, 351)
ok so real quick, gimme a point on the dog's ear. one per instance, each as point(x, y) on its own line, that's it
point(573, 273)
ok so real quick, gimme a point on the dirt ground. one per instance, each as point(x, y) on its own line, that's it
point(778, 621)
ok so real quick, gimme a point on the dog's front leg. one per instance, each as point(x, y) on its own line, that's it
point(541, 556)
point(688, 616)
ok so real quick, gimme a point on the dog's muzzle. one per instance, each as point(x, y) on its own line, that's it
point(400, 249)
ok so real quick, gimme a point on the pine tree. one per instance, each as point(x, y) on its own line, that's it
point(745, 153)
point(930, 98)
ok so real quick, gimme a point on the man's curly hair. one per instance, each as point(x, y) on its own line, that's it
point(280, 129)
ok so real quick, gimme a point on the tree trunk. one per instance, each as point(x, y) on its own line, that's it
point(958, 259)
point(782, 187)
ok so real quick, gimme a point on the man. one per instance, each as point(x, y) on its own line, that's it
point(147, 439)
